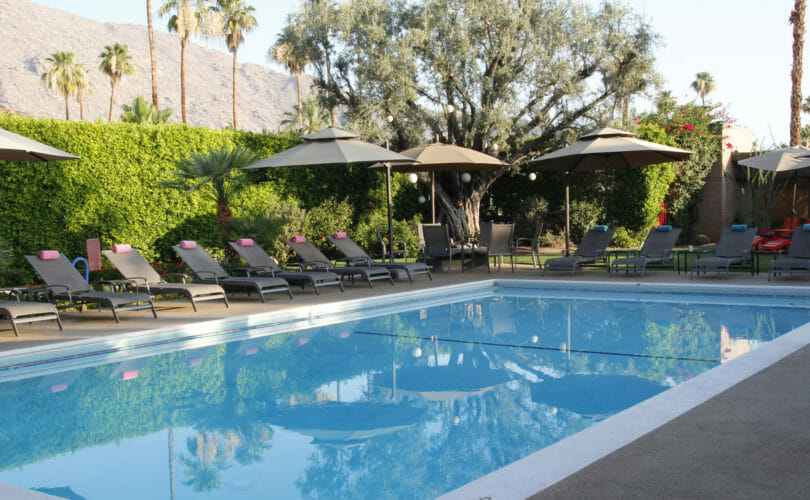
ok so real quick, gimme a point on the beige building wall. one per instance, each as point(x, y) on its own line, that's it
point(720, 193)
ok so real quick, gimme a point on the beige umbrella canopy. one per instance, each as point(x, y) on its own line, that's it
point(605, 149)
point(15, 147)
point(789, 159)
point(438, 157)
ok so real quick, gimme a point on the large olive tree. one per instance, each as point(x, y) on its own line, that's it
point(510, 77)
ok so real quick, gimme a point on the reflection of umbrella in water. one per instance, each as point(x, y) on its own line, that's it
point(594, 394)
point(15, 147)
point(441, 383)
point(64, 492)
point(604, 149)
point(346, 424)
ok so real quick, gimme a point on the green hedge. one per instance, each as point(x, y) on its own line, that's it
point(112, 192)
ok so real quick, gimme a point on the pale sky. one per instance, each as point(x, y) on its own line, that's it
point(744, 44)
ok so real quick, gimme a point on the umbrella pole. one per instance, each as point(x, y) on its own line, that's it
point(390, 216)
point(567, 214)
point(433, 197)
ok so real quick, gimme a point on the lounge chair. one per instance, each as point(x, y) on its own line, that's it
point(734, 248)
point(262, 264)
point(590, 251)
point(27, 312)
point(438, 247)
point(399, 248)
point(657, 249)
point(314, 259)
point(530, 246)
point(207, 270)
point(66, 284)
point(496, 242)
point(140, 275)
point(798, 256)
point(356, 256)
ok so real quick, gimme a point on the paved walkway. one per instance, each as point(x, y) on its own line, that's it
point(751, 441)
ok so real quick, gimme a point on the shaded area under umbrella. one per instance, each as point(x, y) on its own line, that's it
point(14, 147)
point(594, 395)
point(335, 147)
point(790, 159)
point(604, 149)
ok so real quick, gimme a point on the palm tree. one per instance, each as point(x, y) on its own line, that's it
point(82, 80)
point(61, 76)
point(115, 62)
point(290, 50)
point(797, 20)
point(237, 19)
point(144, 112)
point(310, 117)
point(152, 56)
point(665, 102)
point(703, 84)
point(187, 21)
point(217, 174)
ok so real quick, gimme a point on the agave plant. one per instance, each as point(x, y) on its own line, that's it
point(143, 112)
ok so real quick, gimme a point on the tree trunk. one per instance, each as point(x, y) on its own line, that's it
point(463, 213)
point(67, 107)
point(81, 109)
point(300, 111)
point(183, 79)
point(112, 96)
point(224, 215)
point(235, 126)
point(797, 19)
point(152, 52)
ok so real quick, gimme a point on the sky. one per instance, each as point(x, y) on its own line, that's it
point(746, 45)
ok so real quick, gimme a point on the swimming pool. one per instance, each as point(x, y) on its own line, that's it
point(407, 396)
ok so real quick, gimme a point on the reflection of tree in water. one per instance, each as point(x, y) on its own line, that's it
point(207, 458)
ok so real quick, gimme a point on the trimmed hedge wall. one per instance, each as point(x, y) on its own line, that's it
point(112, 193)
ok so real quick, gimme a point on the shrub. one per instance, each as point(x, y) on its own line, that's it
point(281, 219)
point(330, 217)
point(702, 239)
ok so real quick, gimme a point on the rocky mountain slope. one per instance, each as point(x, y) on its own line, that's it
point(29, 33)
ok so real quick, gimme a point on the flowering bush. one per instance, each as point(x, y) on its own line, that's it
point(329, 217)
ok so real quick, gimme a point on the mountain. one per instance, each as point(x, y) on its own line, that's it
point(31, 33)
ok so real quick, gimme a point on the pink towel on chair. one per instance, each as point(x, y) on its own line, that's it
point(298, 239)
point(188, 244)
point(339, 236)
point(48, 255)
point(123, 248)
point(245, 242)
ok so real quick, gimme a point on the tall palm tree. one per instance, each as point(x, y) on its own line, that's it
point(82, 80)
point(665, 101)
point(290, 50)
point(187, 21)
point(152, 56)
point(703, 84)
point(797, 20)
point(237, 19)
point(61, 76)
point(115, 63)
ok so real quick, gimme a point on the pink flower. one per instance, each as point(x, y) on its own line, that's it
point(729, 145)
point(669, 127)
point(637, 119)
point(689, 127)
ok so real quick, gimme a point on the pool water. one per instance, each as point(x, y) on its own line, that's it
point(405, 405)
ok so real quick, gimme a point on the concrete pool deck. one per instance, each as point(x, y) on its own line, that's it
point(750, 440)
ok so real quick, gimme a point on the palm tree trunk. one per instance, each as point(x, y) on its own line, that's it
point(797, 19)
point(81, 110)
point(112, 96)
point(67, 107)
point(300, 111)
point(183, 79)
point(224, 214)
point(152, 52)
point(235, 126)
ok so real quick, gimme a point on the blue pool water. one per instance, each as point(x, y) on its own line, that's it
point(405, 405)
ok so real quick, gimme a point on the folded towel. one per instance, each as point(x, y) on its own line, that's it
point(298, 239)
point(48, 255)
point(245, 242)
point(339, 236)
point(664, 229)
point(739, 227)
point(123, 248)
point(600, 229)
point(806, 227)
point(129, 375)
point(188, 244)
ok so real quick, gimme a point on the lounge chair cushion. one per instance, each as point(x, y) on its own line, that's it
point(245, 242)
point(600, 229)
point(664, 229)
point(122, 248)
point(298, 239)
point(739, 227)
point(188, 244)
point(48, 255)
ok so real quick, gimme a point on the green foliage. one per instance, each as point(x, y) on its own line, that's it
point(280, 220)
point(404, 230)
point(330, 217)
point(584, 215)
point(702, 239)
point(143, 111)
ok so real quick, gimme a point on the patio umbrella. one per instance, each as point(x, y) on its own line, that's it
point(604, 149)
point(789, 159)
point(15, 147)
point(594, 395)
point(335, 147)
point(438, 157)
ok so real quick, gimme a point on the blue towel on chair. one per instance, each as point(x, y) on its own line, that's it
point(600, 229)
point(739, 227)
point(664, 229)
